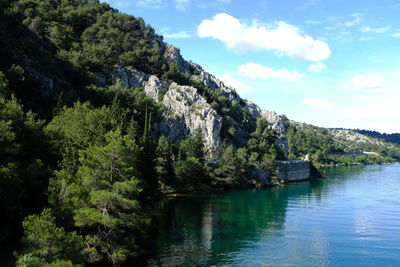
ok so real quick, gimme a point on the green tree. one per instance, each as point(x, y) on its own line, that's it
point(164, 161)
point(109, 211)
point(46, 243)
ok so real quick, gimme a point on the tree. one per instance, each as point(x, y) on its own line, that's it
point(192, 146)
point(46, 243)
point(164, 162)
point(109, 211)
point(189, 169)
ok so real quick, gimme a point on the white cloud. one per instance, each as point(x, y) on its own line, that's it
point(177, 35)
point(232, 82)
point(316, 67)
point(319, 103)
point(374, 30)
point(255, 71)
point(397, 34)
point(367, 81)
point(182, 5)
point(284, 38)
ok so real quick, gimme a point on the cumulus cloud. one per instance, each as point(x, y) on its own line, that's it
point(177, 35)
point(367, 81)
point(374, 30)
point(232, 82)
point(282, 37)
point(397, 34)
point(316, 67)
point(318, 103)
point(255, 71)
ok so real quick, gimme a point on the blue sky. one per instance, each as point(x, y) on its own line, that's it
point(331, 63)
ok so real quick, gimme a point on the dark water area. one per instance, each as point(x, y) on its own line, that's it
point(349, 218)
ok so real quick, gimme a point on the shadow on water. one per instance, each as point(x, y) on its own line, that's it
point(204, 230)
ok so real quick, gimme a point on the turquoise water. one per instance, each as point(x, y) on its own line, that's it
point(351, 218)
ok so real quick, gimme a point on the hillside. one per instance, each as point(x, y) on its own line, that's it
point(338, 146)
point(99, 118)
point(391, 138)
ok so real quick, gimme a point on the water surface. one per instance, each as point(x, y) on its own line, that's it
point(350, 218)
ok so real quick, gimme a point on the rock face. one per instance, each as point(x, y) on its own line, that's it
point(278, 125)
point(129, 77)
point(154, 87)
point(187, 111)
point(172, 54)
point(213, 82)
point(252, 108)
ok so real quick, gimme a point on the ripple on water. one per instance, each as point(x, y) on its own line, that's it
point(350, 219)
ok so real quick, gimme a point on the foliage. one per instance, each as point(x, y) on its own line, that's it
point(46, 243)
point(109, 206)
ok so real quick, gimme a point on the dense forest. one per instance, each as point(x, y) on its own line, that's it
point(80, 163)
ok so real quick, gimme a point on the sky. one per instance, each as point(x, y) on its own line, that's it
point(330, 63)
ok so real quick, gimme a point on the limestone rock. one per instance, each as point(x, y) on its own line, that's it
point(154, 86)
point(252, 108)
point(129, 77)
point(213, 82)
point(173, 54)
point(186, 111)
point(275, 122)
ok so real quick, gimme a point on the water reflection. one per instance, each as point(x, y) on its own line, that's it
point(301, 224)
point(209, 229)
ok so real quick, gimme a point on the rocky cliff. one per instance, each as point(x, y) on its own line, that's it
point(186, 110)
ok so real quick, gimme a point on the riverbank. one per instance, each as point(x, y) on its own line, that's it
point(358, 164)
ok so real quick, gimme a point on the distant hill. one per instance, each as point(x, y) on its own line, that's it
point(391, 138)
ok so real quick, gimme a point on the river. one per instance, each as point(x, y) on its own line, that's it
point(349, 218)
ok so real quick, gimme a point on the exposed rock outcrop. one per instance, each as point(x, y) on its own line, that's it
point(154, 87)
point(173, 54)
point(129, 77)
point(213, 82)
point(187, 111)
point(275, 122)
point(278, 125)
point(252, 108)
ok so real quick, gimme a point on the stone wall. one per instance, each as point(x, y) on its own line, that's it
point(293, 170)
